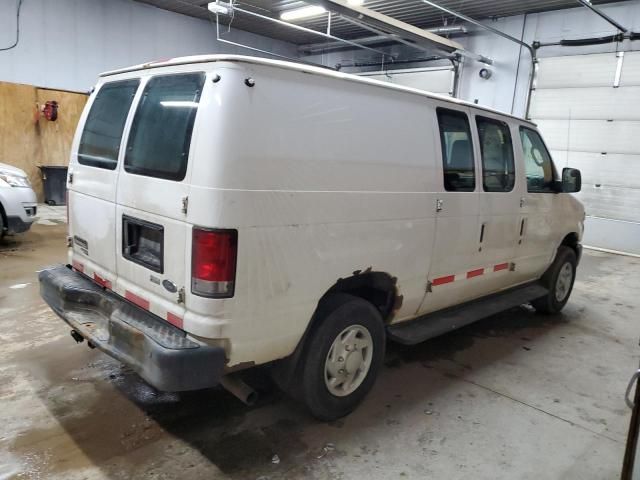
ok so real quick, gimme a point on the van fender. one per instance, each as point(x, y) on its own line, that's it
point(378, 288)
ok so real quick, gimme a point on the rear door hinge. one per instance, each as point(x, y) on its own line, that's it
point(185, 205)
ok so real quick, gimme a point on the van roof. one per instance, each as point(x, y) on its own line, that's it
point(301, 67)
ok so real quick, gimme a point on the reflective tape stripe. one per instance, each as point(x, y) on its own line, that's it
point(475, 273)
point(101, 281)
point(136, 300)
point(77, 266)
point(174, 320)
point(443, 280)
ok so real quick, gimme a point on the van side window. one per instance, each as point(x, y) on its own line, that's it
point(457, 151)
point(161, 131)
point(539, 167)
point(100, 140)
point(498, 167)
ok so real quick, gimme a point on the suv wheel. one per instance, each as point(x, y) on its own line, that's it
point(559, 280)
point(343, 357)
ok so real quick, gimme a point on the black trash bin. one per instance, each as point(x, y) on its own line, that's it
point(54, 178)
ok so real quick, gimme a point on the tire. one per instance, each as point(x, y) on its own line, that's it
point(335, 380)
point(559, 279)
point(2, 232)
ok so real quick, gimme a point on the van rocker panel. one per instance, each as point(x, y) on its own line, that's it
point(438, 323)
point(156, 350)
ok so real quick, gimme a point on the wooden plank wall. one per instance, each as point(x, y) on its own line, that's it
point(27, 140)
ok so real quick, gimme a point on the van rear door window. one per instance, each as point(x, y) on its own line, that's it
point(102, 134)
point(457, 151)
point(161, 131)
point(498, 168)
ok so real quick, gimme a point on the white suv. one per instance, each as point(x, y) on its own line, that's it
point(18, 204)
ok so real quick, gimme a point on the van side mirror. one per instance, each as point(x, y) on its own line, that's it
point(571, 180)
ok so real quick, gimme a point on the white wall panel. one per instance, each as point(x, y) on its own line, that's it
point(617, 203)
point(586, 71)
point(597, 136)
point(630, 69)
point(613, 170)
point(586, 103)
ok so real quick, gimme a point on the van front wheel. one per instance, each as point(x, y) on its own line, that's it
point(343, 356)
point(559, 280)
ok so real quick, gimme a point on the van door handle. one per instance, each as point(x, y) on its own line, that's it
point(439, 205)
point(522, 201)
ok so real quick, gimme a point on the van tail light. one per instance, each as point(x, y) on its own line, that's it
point(213, 262)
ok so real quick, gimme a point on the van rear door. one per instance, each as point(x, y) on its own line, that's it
point(93, 175)
point(153, 237)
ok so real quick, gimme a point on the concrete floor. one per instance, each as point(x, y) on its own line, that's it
point(516, 396)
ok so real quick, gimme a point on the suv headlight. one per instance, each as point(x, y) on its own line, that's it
point(14, 180)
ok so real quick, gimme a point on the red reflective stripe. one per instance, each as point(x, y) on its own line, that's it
point(101, 281)
point(174, 320)
point(135, 299)
point(501, 266)
point(443, 280)
point(475, 273)
point(78, 266)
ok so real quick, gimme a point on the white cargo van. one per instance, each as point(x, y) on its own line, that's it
point(228, 211)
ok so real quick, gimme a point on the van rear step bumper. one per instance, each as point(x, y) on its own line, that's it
point(159, 352)
point(438, 323)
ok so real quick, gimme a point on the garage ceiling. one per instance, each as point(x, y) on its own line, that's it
point(411, 11)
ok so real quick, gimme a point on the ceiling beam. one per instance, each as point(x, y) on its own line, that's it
point(389, 24)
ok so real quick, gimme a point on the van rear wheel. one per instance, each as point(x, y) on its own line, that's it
point(343, 357)
point(559, 279)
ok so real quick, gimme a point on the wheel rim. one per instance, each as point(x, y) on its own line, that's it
point(348, 360)
point(563, 283)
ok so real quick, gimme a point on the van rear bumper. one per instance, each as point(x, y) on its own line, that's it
point(159, 352)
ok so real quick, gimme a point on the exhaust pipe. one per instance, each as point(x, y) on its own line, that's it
point(234, 385)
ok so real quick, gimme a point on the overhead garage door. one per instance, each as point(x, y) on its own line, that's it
point(587, 107)
point(436, 79)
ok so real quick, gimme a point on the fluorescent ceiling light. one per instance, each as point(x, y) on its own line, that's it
point(355, 3)
point(304, 12)
point(178, 103)
point(217, 8)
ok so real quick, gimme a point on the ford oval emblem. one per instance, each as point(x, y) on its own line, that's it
point(170, 286)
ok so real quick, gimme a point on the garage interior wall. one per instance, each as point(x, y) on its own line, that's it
point(65, 44)
point(27, 139)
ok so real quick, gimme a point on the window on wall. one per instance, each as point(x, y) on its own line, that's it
point(160, 135)
point(102, 134)
point(457, 151)
point(498, 166)
point(539, 168)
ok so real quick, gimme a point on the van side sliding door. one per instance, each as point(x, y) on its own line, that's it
point(456, 209)
point(499, 201)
